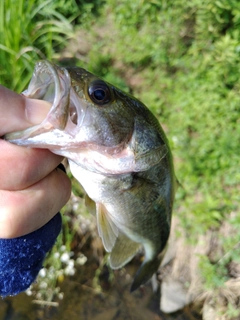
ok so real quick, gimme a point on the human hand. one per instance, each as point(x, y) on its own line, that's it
point(32, 190)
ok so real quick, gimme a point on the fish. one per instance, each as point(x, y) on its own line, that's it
point(118, 152)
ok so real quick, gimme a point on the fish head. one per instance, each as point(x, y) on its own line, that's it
point(84, 112)
point(91, 122)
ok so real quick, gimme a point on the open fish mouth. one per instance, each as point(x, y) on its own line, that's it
point(91, 122)
point(52, 84)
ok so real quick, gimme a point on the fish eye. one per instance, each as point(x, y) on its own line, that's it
point(99, 92)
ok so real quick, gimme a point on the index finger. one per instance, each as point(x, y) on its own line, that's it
point(18, 112)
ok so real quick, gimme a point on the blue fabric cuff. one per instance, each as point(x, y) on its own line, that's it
point(21, 258)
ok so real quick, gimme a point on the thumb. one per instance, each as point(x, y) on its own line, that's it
point(18, 112)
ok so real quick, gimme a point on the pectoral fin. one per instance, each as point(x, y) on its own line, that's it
point(123, 251)
point(107, 230)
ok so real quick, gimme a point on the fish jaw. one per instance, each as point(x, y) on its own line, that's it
point(62, 134)
point(79, 138)
point(52, 84)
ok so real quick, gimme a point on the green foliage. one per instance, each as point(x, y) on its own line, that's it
point(78, 11)
point(29, 31)
point(214, 274)
point(232, 312)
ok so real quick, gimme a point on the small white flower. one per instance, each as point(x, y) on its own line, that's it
point(60, 295)
point(29, 292)
point(39, 296)
point(43, 285)
point(81, 260)
point(65, 257)
point(56, 255)
point(71, 263)
point(75, 206)
point(69, 271)
point(43, 273)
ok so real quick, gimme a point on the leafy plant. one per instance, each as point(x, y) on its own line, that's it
point(29, 31)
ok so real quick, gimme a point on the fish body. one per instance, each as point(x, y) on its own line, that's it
point(118, 152)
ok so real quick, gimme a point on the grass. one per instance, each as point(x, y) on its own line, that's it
point(29, 31)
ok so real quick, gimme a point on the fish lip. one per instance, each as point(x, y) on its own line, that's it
point(41, 69)
point(53, 84)
point(40, 86)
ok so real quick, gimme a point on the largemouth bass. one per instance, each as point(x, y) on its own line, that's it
point(118, 152)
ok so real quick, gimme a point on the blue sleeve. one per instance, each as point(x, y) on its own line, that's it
point(21, 258)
